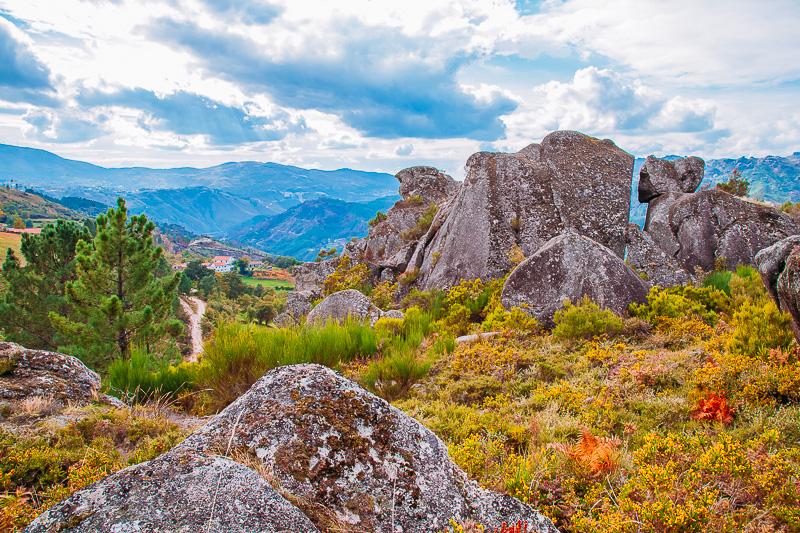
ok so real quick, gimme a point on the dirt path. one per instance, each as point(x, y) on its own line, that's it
point(194, 308)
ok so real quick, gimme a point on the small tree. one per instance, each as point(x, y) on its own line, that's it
point(18, 222)
point(736, 184)
point(38, 288)
point(117, 300)
point(326, 254)
point(242, 266)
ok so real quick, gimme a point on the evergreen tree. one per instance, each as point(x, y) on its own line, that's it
point(117, 301)
point(36, 289)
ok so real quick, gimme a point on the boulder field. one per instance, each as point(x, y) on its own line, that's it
point(303, 450)
point(442, 231)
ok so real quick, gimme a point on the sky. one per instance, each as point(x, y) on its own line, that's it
point(383, 85)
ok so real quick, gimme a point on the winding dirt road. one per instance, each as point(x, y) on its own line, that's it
point(194, 308)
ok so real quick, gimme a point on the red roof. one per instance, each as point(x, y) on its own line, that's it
point(33, 231)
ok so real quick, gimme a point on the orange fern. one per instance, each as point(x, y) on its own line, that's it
point(713, 407)
point(597, 454)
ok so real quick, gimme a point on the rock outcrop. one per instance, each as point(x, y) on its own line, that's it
point(701, 228)
point(661, 176)
point(779, 266)
point(391, 241)
point(179, 491)
point(303, 450)
point(343, 304)
point(298, 305)
point(569, 267)
point(568, 182)
point(61, 378)
point(645, 256)
point(310, 276)
point(324, 439)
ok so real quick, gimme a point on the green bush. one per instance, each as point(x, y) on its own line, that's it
point(392, 376)
point(585, 321)
point(719, 280)
point(423, 223)
point(682, 301)
point(239, 354)
point(758, 328)
point(145, 376)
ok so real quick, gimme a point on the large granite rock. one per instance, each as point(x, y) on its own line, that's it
point(180, 491)
point(779, 266)
point(701, 228)
point(569, 267)
point(62, 378)
point(391, 242)
point(341, 305)
point(569, 181)
point(789, 289)
point(311, 276)
point(645, 256)
point(661, 176)
point(323, 439)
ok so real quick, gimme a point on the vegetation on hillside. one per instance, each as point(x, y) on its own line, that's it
point(683, 415)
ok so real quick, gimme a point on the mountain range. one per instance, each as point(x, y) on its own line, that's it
point(285, 209)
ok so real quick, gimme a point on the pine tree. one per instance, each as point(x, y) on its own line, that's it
point(36, 289)
point(117, 301)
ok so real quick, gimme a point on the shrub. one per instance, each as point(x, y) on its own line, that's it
point(238, 354)
point(736, 185)
point(514, 320)
point(391, 376)
point(681, 301)
point(597, 455)
point(380, 216)
point(757, 328)
point(383, 295)
point(584, 321)
point(145, 376)
point(347, 276)
point(719, 280)
point(423, 224)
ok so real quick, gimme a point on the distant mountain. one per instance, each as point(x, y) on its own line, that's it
point(199, 209)
point(283, 185)
point(306, 228)
point(772, 178)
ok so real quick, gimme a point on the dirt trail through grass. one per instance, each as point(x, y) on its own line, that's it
point(194, 308)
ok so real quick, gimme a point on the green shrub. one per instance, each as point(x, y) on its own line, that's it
point(758, 328)
point(584, 321)
point(144, 376)
point(423, 223)
point(239, 354)
point(681, 301)
point(380, 216)
point(392, 376)
point(719, 280)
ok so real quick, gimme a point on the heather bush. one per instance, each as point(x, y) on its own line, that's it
point(348, 276)
point(682, 301)
point(584, 321)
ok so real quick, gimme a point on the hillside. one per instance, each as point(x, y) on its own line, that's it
point(33, 207)
point(304, 229)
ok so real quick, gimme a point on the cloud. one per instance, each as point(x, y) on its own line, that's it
point(404, 149)
point(187, 113)
point(246, 11)
point(23, 77)
point(62, 126)
point(603, 102)
point(377, 79)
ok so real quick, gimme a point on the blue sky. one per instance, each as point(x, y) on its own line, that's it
point(385, 85)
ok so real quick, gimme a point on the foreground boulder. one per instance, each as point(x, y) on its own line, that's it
point(61, 378)
point(645, 256)
point(569, 181)
point(342, 305)
point(570, 267)
point(702, 228)
point(303, 450)
point(323, 439)
point(779, 266)
point(179, 491)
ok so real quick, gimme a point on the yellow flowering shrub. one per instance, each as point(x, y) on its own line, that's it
point(347, 276)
